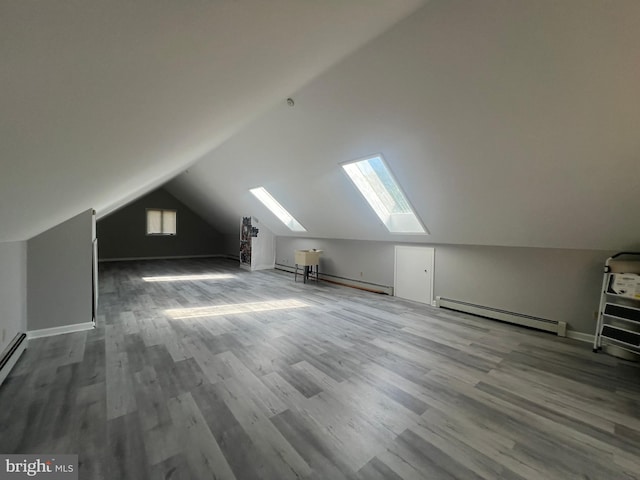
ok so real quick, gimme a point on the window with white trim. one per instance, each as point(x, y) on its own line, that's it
point(161, 222)
point(374, 180)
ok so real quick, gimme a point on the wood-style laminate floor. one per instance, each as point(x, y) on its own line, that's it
point(201, 370)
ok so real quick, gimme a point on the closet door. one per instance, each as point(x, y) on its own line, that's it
point(413, 276)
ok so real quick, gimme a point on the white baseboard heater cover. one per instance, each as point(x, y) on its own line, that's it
point(11, 354)
point(560, 328)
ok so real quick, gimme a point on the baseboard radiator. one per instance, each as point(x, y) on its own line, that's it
point(560, 328)
point(344, 281)
point(11, 354)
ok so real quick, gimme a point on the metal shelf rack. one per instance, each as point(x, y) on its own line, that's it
point(618, 326)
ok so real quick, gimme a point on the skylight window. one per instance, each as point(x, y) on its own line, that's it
point(277, 209)
point(376, 184)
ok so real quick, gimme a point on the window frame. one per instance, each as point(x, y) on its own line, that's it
point(162, 211)
point(391, 216)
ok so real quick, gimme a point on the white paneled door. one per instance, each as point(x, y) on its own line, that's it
point(413, 276)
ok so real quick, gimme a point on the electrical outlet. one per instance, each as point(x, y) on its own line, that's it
point(360, 274)
point(595, 315)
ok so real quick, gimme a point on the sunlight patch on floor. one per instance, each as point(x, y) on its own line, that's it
point(184, 278)
point(235, 308)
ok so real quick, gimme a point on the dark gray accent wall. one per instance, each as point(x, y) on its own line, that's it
point(231, 244)
point(123, 233)
point(557, 284)
point(13, 291)
point(59, 275)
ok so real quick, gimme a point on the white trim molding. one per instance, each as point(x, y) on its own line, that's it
point(49, 332)
point(178, 257)
point(347, 282)
point(583, 337)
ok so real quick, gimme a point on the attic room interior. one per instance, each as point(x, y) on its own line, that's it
point(293, 239)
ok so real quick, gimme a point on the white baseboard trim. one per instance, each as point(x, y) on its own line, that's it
point(347, 282)
point(177, 257)
point(583, 337)
point(49, 332)
point(249, 268)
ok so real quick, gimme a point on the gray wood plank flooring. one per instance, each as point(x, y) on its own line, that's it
point(208, 371)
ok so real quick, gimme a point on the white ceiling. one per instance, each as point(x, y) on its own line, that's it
point(507, 123)
point(103, 100)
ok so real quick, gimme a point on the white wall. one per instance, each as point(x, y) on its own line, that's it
point(359, 260)
point(59, 274)
point(263, 247)
point(506, 122)
point(116, 97)
point(557, 284)
point(13, 291)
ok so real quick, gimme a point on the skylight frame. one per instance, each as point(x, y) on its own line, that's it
point(277, 209)
point(403, 222)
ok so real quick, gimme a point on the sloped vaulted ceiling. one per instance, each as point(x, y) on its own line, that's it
point(100, 101)
point(507, 123)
